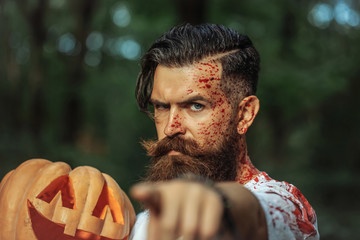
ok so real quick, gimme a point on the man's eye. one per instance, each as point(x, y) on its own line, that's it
point(196, 107)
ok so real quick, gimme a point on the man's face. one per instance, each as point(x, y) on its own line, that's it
point(188, 102)
point(194, 123)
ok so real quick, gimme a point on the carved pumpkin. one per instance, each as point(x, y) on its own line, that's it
point(44, 200)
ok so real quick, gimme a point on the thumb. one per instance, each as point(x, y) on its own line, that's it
point(149, 195)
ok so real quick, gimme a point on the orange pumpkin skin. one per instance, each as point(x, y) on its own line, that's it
point(88, 204)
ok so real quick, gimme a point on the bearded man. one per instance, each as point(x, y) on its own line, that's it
point(199, 84)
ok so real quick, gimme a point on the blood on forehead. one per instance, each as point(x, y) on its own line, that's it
point(206, 75)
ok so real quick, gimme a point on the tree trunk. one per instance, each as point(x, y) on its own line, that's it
point(191, 11)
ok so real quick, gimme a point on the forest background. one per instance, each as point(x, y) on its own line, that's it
point(68, 72)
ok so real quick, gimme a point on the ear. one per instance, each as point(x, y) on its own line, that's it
point(248, 109)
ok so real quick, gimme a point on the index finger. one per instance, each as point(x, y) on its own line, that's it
point(148, 194)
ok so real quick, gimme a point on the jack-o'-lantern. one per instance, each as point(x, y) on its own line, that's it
point(44, 200)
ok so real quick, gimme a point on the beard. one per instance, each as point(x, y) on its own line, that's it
point(215, 163)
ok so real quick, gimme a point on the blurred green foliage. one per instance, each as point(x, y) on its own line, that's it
point(68, 71)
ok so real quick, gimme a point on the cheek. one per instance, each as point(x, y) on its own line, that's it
point(215, 127)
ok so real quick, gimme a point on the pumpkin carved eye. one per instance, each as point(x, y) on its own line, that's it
point(61, 184)
point(63, 204)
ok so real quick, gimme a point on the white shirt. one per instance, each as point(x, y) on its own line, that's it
point(288, 214)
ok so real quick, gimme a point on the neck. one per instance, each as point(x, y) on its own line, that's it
point(246, 170)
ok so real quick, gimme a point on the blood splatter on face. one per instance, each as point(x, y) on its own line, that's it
point(188, 101)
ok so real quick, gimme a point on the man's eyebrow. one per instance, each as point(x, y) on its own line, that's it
point(157, 102)
point(187, 101)
point(194, 99)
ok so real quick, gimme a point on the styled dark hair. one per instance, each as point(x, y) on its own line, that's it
point(186, 44)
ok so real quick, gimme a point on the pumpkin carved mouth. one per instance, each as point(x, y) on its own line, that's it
point(58, 203)
point(45, 229)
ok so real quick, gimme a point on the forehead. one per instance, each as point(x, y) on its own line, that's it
point(199, 78)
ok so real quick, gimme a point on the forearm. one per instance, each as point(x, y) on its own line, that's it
point(245, 211)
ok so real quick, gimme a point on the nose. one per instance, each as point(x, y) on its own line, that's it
point(174, 125)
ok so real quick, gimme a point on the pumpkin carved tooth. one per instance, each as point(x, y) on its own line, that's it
point(55, 202)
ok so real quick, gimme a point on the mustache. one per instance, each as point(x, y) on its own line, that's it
point(170, 167)
point(160, 148)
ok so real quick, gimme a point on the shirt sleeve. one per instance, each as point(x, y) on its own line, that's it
point(288, 214)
